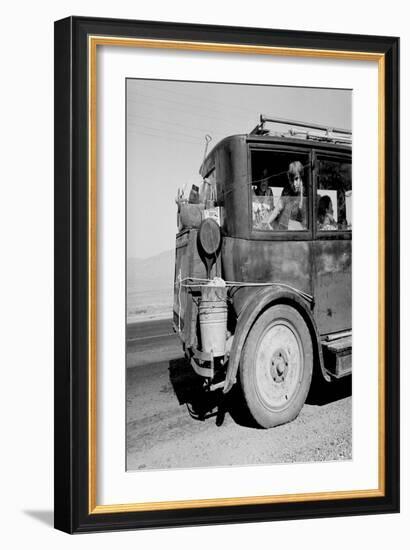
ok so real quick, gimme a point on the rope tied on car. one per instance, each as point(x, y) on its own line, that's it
point(199, 283)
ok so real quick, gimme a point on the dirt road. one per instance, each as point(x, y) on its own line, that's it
point(161, 433)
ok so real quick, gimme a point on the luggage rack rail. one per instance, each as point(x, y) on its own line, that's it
point(330, 134)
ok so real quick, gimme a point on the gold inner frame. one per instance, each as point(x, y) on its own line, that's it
point(93, 42)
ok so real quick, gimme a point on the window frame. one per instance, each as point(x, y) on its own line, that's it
point(337, 234)
point(289, 235)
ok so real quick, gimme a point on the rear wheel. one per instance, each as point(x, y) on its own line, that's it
point(276, 366)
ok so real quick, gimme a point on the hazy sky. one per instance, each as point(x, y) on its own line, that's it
point(166, 126)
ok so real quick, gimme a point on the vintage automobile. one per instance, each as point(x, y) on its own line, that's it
point(263, 266)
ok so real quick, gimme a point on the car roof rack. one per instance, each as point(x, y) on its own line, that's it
point(316, 132)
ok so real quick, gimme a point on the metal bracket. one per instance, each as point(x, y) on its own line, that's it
point(202, 356)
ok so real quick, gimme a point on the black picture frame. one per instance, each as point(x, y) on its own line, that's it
point(73, 512)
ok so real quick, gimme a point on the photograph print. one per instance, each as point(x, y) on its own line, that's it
point(239, 274)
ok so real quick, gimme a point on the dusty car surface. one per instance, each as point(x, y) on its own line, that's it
point(263, 266)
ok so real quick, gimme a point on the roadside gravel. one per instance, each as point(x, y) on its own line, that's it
point(161, 433)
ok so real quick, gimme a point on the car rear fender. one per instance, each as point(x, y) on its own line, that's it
point(258, 303)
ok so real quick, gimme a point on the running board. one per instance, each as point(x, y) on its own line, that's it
point(337, 354)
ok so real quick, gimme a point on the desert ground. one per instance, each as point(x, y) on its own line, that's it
point(173, 423)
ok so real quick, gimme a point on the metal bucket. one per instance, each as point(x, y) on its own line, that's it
point(213, 316)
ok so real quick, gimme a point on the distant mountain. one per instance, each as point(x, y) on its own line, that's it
point(155, 272)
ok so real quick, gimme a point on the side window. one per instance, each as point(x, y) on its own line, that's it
point(212, 200)
point(279, 191)
point(208, 190)
point(334, 195)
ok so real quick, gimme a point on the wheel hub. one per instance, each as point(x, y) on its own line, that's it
point(279, 365)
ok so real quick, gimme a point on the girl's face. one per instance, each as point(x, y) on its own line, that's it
point(265, 181)
point(297, 182)
point(264, 185)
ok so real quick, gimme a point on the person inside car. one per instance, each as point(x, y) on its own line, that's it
point(288, 213)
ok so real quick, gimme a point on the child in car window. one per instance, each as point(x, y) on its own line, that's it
point(262, 202)
point(325, 219)
point(288, 213)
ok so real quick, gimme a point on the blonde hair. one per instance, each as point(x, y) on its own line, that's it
point(295, 169)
